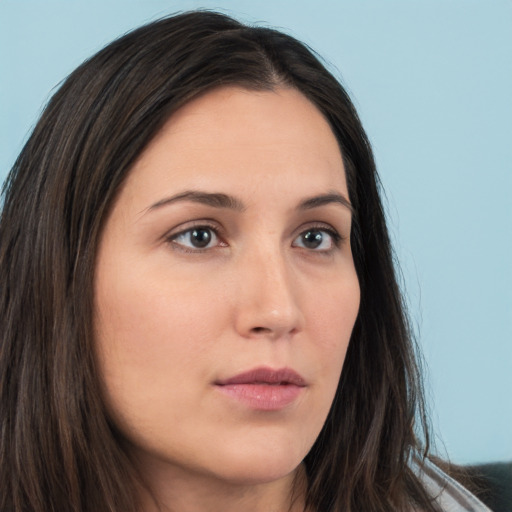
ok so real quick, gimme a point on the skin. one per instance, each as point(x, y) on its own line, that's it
point(172, 319)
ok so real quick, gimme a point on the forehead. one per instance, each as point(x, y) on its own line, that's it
point(236, 137)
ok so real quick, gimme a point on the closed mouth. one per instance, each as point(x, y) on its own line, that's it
point(266, 376)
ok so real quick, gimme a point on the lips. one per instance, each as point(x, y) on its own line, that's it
point(266, 376)
point(264, 389)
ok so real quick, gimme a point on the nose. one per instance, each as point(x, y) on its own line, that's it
point(268, 300)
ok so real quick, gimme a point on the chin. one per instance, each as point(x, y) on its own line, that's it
point(246, 455)
point(257, 474)
point(256, 464)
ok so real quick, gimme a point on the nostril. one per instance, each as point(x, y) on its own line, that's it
point(260, 330)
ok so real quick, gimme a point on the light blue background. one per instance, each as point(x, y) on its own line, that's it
point(432, 81)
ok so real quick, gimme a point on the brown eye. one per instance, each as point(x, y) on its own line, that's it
point(200, 237)
point(312, 239)
point(317, 240)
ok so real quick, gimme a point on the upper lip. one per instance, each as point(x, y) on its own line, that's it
point(265, 375)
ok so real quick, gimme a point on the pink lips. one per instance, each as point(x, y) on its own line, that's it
point(263, 388)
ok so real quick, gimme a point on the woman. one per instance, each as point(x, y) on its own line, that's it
point(199, 308)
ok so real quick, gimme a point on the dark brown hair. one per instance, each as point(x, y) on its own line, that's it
point(59, 451)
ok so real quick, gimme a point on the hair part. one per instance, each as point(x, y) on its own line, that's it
point(59, 449)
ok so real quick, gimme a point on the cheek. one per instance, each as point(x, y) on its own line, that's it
point(152, 337)
point(332, 318)
point(333, 312)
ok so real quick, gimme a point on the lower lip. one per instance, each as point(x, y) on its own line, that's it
point(263, 397)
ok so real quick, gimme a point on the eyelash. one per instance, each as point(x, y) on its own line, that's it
point(201, 226)
point(337, 239)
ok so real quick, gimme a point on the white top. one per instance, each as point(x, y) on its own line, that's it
point(449, 494)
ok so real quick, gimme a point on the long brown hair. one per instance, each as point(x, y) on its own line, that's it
point(59, 451)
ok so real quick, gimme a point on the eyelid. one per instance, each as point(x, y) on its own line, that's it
point(320, 226)
point(192, 224)
point(171, 236)
point(334, 234)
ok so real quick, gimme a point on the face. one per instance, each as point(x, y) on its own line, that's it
point(225, 289)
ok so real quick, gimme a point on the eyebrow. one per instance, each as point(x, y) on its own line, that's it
point(323, 199)
point(220, 200)
point(217, 200)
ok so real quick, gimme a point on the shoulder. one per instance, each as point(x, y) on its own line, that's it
point(448, 494)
